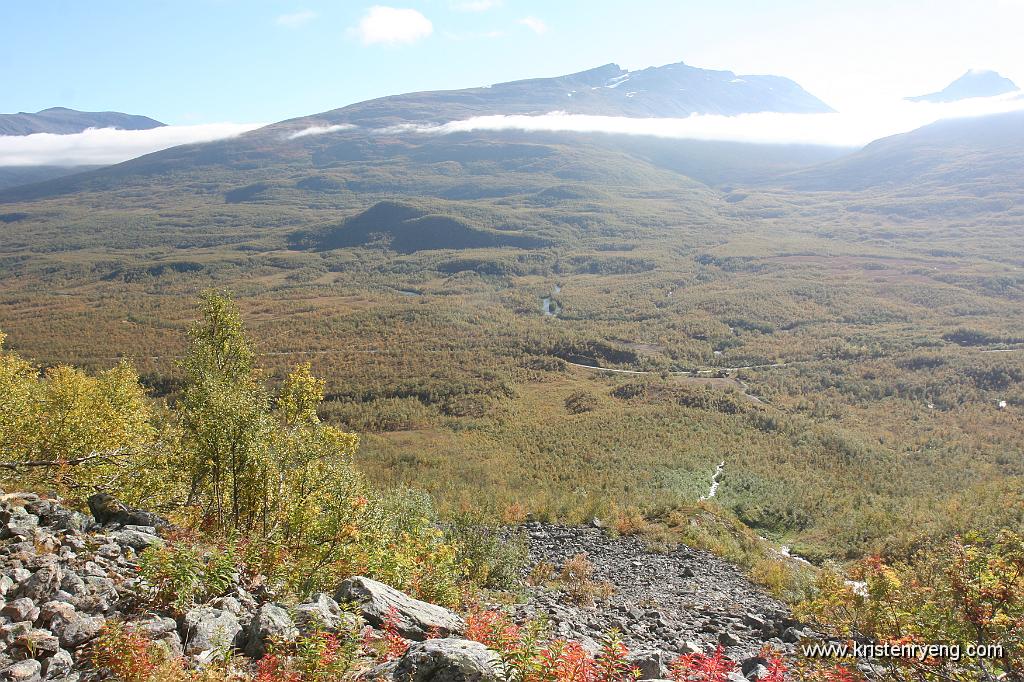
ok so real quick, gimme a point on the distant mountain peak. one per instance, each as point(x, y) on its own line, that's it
point(974, 83)
point(673, 90)
point(64, 121)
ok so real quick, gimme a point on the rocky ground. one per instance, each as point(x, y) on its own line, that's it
point(680, 601)
point(64, 574)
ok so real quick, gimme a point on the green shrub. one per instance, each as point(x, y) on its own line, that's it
point(581, 401)
point(181, 574)
point(494, 557)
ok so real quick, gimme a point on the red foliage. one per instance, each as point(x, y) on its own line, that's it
point(776, 670)
point(556, 660)
point(493, 629)
point(271, 668)
point(841, 674)
point(329, 653)
point(702, 668)
point(127, 654)
point(395, 644)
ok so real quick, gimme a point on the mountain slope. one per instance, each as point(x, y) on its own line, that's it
point(369, 132)
point(62, 121)
point(14, 176)
point(974, 83)
point(984, 153)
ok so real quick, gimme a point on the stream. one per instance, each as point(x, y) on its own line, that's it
point(548, 305)
point(859, 588)
point(716, 480)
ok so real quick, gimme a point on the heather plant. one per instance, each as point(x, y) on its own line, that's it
point(541, 573)
point(127, 655)
point(530, 654)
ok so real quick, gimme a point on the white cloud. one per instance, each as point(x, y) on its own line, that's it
point(296, 19)
point(101, 146)
point(392, 26)
point(849, 129)
point(534, 24)
point(318, 130)
point(475, 5)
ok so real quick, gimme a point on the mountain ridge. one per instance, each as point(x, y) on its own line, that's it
point(974, 83)
point(671, 90)
point(64, 121)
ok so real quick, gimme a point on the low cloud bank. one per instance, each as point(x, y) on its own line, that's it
point(104, 146)
point(318, 130)
point(847, 129)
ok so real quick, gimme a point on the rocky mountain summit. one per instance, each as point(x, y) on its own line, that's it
point(609, 90)
point(64, 575)
point(974, 83)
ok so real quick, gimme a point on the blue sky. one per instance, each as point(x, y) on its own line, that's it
point(204, 61)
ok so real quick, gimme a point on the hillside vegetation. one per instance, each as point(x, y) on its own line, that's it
point(845, 353)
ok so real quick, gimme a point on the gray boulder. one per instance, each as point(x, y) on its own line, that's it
point(135, 538)
point(322, 613)
point(206, 629)
point(95, 595)
point(106, 510)
point(64, 519)
point(727, 638)
point(21, 609)
point(652, 664)
point(11, 530)
point(270, 625)
point(58, 666)
point(29, 670)
point(162, 630)
point(449, 660)
point(12, 631)
point(754, 668)
point(414, 619)
point(71, 627)
point(43, 584)
point(792, 635)
point(36, 643)
point(690, 647)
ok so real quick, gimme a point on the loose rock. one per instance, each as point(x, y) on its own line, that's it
point(448, 660)
point(413, 618)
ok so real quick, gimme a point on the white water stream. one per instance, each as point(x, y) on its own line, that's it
point(716, 480)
